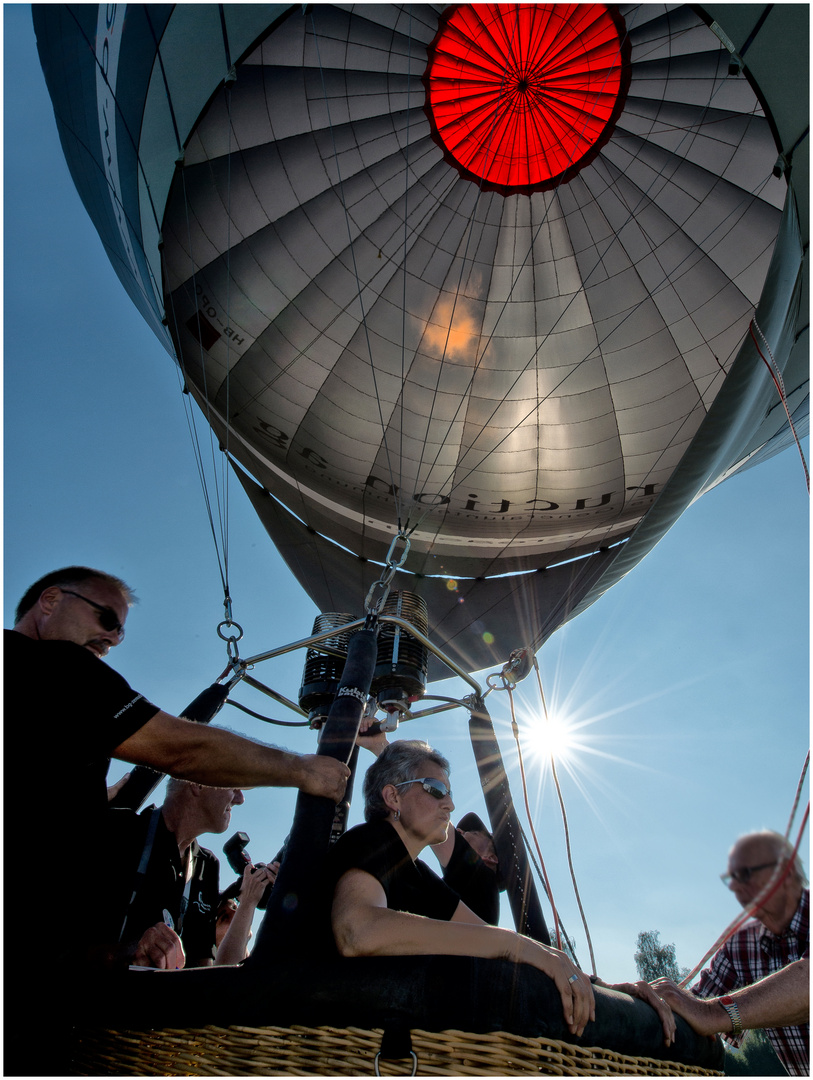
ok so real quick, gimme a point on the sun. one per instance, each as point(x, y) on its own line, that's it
point(552, 735)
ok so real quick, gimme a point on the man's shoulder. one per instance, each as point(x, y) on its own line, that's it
point(62, 659)
point(204, 854)
point(20, 645)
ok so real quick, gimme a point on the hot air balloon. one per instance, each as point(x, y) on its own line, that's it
point(511, 283)
point(482, 276)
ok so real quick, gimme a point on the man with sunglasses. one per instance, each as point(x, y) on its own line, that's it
point(67, 714)
point(762, 870)
point(55, 685)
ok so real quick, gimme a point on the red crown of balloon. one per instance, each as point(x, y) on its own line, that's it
point(523, 96)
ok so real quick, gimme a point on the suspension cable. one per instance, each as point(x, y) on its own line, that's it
point(565, 823)
point(508, 685)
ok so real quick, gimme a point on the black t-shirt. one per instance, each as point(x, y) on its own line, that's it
point(163, 886)
point(65, 712)
point(473, 881)
point(409, 886)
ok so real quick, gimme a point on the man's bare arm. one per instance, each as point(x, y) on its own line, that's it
point(779, 1000)
point(219, 758)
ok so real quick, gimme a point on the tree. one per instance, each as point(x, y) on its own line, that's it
point(756, 1057)
point(654, 960)
point(568, 947)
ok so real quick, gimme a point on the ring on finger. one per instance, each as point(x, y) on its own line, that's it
point(573, 978)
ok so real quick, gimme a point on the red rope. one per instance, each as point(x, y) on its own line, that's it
point(748, 912)
point(780, 389)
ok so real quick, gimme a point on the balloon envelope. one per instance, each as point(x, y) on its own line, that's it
point(482, 274)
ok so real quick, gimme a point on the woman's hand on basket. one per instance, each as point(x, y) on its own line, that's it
point(575, 990)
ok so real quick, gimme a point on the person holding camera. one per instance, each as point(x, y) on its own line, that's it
point(232, 942)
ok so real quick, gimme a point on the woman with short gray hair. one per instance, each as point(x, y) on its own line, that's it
point(386, 902)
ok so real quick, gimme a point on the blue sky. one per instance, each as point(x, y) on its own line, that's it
point(687, 684)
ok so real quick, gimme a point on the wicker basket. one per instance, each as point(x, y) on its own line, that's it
point(331, 1051)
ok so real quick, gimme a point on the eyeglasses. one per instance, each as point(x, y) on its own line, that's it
point(743, 876)
point(431, 786)
point(108, 619)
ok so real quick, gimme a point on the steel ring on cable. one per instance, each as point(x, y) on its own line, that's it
point(229, 637)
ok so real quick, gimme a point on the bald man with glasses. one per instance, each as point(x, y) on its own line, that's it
point(762, 869)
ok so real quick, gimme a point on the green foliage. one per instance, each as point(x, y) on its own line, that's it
point(756, 1057)
point(654, 960)
point(568, 946)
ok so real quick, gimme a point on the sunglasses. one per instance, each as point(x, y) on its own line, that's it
point(744, 875)
point(108, 619)
point(431, 786)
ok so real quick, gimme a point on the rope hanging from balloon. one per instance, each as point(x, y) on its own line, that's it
point(564, 822)
point(508, 677)
point(784, 867)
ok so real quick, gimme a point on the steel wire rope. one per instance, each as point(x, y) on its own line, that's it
point(548, 888)
point(570, 945)
point(122, 209)
point(223, 568)
point(222, 510)
point(195, 439)
point(351, 246)
point(191, 426)
point(565, 822)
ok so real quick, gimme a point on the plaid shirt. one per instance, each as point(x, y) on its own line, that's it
point(751, 954)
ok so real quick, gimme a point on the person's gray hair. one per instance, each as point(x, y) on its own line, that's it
point(403, 760)
point(70, 575)
point(176, 789)
point(783, 850)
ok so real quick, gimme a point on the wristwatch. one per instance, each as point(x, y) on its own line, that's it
point(730, 1006)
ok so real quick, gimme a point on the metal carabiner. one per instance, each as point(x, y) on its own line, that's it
point(390, 554)
point(231, 639)
point(373, 603)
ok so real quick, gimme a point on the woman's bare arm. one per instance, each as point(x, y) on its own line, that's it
point(363, 925)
